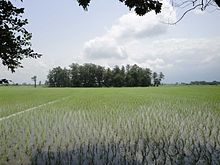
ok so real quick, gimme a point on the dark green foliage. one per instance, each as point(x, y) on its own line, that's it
point(137, 76)
point(4, 81)
point(217, 2)
point(74, 75)
point(91, 75)
point(118, 77)
point(108, 77)
point(141, 7)
point(84, 3)
point(15, 40)
point(59, 77)
point(204, 83)
point(157, 78)
point(100, 75)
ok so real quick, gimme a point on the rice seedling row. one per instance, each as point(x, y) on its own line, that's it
point(118, 126)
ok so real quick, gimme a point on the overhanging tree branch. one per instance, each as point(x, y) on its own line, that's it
point(141, 7)
point(15, 40)
point(187, 11)
point(196, 4)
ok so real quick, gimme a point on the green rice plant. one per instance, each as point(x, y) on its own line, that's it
point(166, 125)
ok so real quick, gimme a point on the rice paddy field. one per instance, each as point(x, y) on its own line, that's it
point(164, 125)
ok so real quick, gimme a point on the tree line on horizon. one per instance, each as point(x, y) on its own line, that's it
point(92, 75)
point(204, 83)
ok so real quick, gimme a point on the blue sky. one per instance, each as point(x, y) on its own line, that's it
point(109, 34)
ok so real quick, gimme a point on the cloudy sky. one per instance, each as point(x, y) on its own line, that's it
point(109, 34)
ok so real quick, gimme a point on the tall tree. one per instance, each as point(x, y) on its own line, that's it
point(132, 75)
point(117, 77)
point(144, 77)
point(155, 78)
point(100, 75)
point(88, 75)
point(58, 77)
point(34, 78)
point(65, 77)
point(147, 75)
point(15, 40)
point(74, 75)
point(123, 74)
point(161, 77)
point(107, 77)
point(128, 78)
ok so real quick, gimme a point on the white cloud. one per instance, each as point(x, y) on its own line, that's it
point(128, 29)
point(135, 40)
point(103, 47)
point(131, 26)
point(179, 51)
point(183, 59)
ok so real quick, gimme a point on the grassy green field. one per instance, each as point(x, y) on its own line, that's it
point(165, 125)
